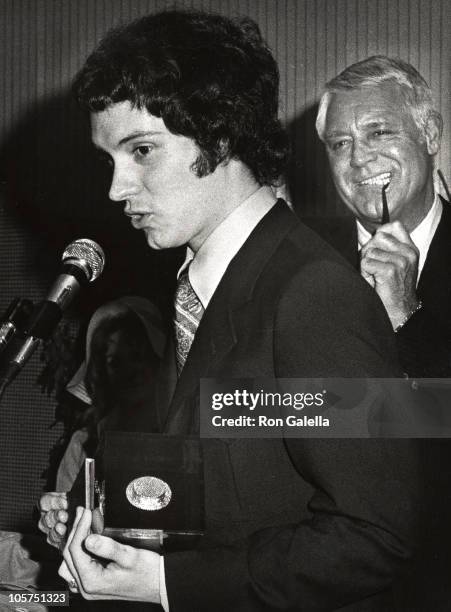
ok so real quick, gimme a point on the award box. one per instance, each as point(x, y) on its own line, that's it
point(152, 490)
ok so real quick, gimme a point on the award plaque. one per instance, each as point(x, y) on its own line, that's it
point(152, 490)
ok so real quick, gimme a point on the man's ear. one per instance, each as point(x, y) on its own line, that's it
point(224, 150)
point(433, 132)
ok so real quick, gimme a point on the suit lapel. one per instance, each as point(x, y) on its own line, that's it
point(167, 381)
point(434, 280)
point(344, 238)
point(221, 325)
point(350, 243)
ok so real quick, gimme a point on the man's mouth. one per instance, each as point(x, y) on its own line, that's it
point(380, 180)
point(137, 219)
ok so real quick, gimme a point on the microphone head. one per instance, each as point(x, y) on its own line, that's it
point(86, 255)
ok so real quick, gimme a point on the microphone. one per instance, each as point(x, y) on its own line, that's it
point(82, 262)
point(14, 319)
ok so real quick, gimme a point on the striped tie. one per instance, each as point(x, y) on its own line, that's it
point(188, 313)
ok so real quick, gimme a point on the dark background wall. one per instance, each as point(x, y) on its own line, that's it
point(52, 190)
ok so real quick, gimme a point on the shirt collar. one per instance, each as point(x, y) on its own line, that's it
point(210, 262)
point(421, 236)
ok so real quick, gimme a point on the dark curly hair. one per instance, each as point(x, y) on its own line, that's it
point(210, 78)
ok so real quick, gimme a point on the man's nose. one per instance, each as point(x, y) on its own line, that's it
point(123, 184)
point(362, 153)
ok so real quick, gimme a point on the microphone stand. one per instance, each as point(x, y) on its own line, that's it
point(3, 385)
point(83, 261)
point(14, 320)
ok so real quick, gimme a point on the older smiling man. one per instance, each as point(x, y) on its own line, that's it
point(382, 132)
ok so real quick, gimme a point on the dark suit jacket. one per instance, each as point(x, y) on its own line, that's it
point(292, 524)
point(424, 343)
point(424, 348)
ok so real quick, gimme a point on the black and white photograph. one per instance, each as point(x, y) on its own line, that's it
point(225, 305)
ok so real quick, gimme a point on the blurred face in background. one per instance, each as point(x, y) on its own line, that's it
point(122, 367)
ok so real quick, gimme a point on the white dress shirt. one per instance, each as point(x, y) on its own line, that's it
point(211, 261)
point(421, 236)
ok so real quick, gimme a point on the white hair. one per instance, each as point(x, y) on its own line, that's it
point(416, 93)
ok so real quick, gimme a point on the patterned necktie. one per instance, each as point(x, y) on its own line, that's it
point(188, 313)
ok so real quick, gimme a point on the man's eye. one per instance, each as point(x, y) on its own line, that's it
point(381, 132)
point(143, 151)
point(339, 144)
